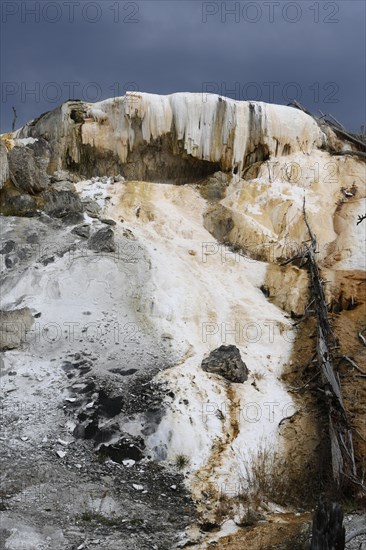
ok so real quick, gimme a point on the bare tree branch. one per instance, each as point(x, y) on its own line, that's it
point(343, 460)
point(15, 116)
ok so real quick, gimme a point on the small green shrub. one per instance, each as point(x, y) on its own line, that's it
point(181, 461)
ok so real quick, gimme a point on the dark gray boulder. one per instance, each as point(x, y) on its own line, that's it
point(227, 362)
point(102, 240)
point(82, 231)
point(8, 247)
point(28, 166)
point(18, 205)
point(107, 221)
point(128, 447)
point(59, 204)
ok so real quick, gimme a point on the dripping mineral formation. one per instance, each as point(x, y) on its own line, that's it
point(159, 377)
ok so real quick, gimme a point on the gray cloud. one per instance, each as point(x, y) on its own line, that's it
point(170, 48)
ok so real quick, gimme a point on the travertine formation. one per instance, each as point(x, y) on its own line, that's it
point(101, 238)
point(147, 130)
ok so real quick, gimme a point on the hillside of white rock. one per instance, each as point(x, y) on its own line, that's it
point(138, 235)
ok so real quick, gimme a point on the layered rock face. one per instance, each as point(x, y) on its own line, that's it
point(156, 243)
point(176, 137)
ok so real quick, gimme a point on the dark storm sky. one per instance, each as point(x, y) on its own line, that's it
point(266, 50)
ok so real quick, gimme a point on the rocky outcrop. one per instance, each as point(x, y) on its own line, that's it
point(180, 137)
point(59, 204)
point(28, 164)
point(13, 327)
point(4, 167)
point(18, 205)
point(227, 362)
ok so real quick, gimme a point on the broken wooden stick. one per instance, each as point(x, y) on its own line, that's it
point(353, 363)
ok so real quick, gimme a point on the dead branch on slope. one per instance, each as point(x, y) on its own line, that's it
point(342, 452)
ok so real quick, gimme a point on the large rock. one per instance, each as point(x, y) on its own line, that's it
point(102, 240)
point(62, 203)
point(27, 166)
point(13, 327)
point(18, 205)
point(227, 362)
point(4, 167)
point(128, 447)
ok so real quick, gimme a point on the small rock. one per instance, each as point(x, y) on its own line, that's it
point(60, 175)
point(63, 185)
point(61, 454)
point(82, 231)
point(128, 462)
point(107, 221)
point(92, 208)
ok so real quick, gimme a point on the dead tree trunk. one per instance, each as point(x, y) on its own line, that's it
point(343, 461)
point(15, 116)
point(328, 532)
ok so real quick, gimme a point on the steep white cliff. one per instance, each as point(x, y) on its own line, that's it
point(207, 127)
